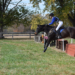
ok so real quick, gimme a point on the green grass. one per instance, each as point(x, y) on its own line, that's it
point(69, 40)
point(23, 57)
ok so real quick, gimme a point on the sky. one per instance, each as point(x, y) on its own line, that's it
point(30, 6)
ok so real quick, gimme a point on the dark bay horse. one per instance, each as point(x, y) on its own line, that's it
point(51, 33)
point(46, 29)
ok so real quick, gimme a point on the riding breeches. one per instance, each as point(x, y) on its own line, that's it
point(59, 25)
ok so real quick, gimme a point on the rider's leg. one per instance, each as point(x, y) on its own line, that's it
point(57, 29)
point(58, 34)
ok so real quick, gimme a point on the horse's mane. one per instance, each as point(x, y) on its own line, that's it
point(47, 25)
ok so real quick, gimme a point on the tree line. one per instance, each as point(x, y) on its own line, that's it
point(64, 9)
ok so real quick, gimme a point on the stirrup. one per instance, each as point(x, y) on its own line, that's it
point(59, 37)
point(56, 37)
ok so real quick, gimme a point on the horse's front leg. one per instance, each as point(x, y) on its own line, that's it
point(47, 44)
point(45, 41)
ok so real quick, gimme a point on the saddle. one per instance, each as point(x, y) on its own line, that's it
point(53, 30)
point(61, 29)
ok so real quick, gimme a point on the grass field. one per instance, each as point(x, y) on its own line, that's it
point(26, 57)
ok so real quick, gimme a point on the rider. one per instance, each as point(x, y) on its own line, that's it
point(56, 19)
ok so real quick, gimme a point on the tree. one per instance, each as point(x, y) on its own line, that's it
point(61, 8)
point(18, 14)
point(38, 20)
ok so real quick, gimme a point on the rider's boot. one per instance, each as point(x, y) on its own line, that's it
point(58, 35)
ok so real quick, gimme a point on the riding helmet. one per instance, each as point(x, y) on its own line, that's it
point(51, 14)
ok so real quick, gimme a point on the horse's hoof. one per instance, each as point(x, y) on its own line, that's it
point(43, 51)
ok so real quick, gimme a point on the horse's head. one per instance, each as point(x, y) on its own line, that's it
point(39, 29)
point(44, 28)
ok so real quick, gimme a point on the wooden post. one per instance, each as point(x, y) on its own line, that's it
point(44, 35)
point(34, 37)
point(12, 36)
point(30, 35)
point(39, 38)
point(71, 40)
point(63, 44)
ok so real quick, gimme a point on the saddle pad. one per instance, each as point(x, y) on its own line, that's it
point(61, 30)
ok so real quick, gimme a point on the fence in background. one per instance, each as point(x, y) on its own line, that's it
point(18, 34)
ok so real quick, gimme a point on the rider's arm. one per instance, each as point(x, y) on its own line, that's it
point(53, 20)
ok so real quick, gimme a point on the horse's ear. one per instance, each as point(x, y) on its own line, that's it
point(38, 25)
point(46, 24)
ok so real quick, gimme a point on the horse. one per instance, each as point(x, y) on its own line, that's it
point(46, 29)
point(51, 33)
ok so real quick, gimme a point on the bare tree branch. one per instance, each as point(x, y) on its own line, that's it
point(7, 4)
point(14, 6)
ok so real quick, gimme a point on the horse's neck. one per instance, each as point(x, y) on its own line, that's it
point(47, 29)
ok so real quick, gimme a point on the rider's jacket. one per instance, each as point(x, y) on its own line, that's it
point(54, 19)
